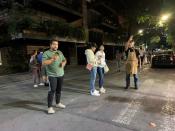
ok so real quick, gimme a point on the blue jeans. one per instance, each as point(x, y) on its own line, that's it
point(135, 80)
point(93, 74)
point(100, 71)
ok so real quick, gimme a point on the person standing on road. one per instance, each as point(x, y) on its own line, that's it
point(55, 62)
point(131, 63)
point(101, 62)
point(118, 59)
point(35, 68)
point(39, 60)
point(92, 63)
point(43, 73)
point(142, 56)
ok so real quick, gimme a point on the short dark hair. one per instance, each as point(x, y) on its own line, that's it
point(54, 38)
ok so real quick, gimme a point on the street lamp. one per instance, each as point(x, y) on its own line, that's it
point(140, 32)
point(165, 17)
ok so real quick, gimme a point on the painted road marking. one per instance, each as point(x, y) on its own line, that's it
point(128, 113)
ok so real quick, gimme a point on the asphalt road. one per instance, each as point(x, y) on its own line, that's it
point(151, 108)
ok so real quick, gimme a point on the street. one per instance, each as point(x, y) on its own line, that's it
point(150, 108)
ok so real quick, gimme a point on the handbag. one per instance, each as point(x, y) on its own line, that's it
point(106, 69)
point(89, 67)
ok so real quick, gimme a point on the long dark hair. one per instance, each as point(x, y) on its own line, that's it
point(91, 45)
point(34, 52)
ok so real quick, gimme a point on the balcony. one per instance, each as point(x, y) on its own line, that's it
point(34, 29)
point(97, 20)
point(103, 8)
point(65, 9)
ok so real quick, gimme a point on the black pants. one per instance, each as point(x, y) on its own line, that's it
point(55, 85)
point(142, 58)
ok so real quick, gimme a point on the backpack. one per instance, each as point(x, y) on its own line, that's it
point(39, 58)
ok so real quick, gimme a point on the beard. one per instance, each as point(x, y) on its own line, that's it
point(54, 49)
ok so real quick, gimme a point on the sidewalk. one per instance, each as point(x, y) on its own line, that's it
point(27, 76)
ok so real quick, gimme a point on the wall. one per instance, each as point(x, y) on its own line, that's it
point(14, 59)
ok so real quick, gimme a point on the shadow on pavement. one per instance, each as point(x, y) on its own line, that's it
point(26, 105)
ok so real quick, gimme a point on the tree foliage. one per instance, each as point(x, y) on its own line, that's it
point(155, 39)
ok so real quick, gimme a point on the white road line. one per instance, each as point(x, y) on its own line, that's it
point(128, 113)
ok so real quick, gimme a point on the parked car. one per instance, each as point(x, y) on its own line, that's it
point(162, 58)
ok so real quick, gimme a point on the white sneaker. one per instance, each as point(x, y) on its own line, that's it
point(95, 93)
point(41, 84)
point(60, 105)
point(102, 90)
point(51, 110)
point(35, 85)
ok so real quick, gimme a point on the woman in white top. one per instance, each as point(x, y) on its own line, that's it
point(101, 62)
point(91, 60)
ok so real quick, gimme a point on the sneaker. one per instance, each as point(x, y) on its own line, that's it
point(51, 110)
point(95, 93)
point(102, 90)
point(41, 84)
point(60, 105)
point(35, 85)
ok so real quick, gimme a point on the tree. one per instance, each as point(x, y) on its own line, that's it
point(155, 39)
